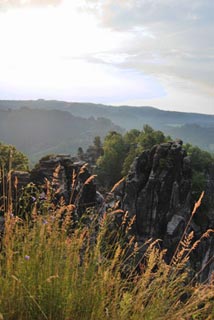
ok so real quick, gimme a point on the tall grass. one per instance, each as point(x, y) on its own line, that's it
point(48, 271)
point(52, 270)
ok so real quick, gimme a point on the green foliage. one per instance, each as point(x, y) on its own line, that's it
point(120, 151)
point(109, 166)
point(201, 160)
point(96, 150)
point(97, 143)
point(132, 154)
point(149, 137)
point(11, 158)
point(131, 137)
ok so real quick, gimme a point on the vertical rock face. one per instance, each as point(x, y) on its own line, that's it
point(204, 220)
point(158, 189)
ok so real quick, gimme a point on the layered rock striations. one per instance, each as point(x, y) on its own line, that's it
point(204, 220)
point(158, 190)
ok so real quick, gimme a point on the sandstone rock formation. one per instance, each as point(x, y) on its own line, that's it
point(65, 176)
point(68, 177)
point(204, 220)
point(158, 191)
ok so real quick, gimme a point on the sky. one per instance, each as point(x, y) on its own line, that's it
point(120, 52)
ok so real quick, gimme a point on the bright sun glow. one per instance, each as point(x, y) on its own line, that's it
point(46, 48)
point(46, 53)
point(115, 52)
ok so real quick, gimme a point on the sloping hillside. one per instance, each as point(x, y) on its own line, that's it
point(40, 132)
point(195, 128)
point(125, 116)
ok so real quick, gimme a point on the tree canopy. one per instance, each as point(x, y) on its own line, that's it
point(11, 158)
point(120, 150)
point(109, 165)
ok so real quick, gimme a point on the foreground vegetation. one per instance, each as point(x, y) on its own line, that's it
point(55, 265)
point(51, 270)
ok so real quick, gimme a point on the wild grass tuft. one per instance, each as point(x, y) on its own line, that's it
point(51, 270)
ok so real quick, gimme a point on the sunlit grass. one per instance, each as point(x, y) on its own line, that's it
point(49, 270)
point(55, 267)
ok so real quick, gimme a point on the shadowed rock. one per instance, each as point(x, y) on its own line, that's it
point(158, 191)
point(68, 177)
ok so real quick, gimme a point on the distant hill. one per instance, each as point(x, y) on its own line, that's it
point(37, 132)
point(125, 116)
point(195, 128)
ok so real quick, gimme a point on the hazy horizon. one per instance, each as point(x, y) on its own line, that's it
point(115, 52)
point(108, 105)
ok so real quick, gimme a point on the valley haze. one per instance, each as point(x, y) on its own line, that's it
point(40, 127)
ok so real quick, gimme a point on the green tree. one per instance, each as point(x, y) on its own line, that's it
point(97, 143)
point(149, 137)
point(131, 137)
point(201, 160)
point(109, 165)
point(138, 141)
point(11, 158)
point(132, 154)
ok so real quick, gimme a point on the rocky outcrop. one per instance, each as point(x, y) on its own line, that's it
point(204, 220)
point(158, 191)
point(68, 177)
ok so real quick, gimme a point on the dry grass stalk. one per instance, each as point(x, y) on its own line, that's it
point(196, 206)
point(116, 211)
point(204, 236)
point(83, 168)
point(16, 181)
point(117, 185)
point(91, 178)
point(130, 224)
point(73, 181)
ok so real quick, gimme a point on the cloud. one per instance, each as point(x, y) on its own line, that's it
point(8, 4)
point(126, 14)
point(169, 37)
